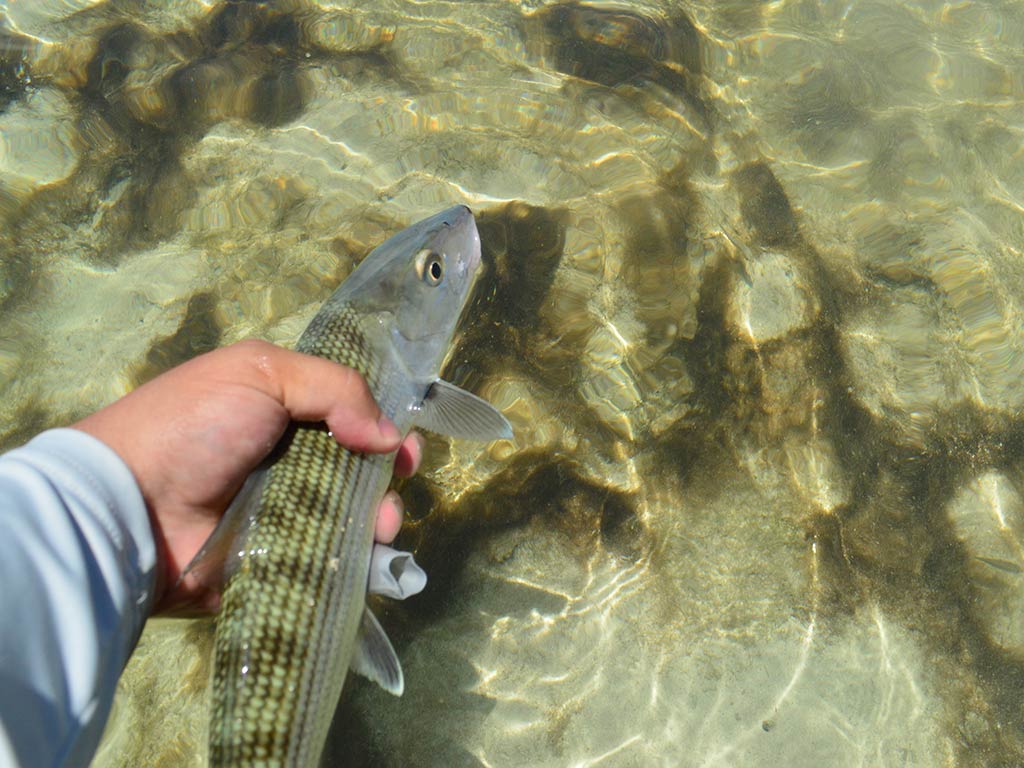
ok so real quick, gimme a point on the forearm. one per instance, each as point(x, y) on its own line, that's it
point(77, 564)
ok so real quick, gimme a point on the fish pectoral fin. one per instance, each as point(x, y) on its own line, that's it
point(374, 658)
point(395, 574)
point(219, 556)
point(450, 410)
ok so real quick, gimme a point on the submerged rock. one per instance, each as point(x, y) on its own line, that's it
point(987, 515)
point(816, 473)
point(771, 300)
point(621, 48)
point(713, 539)
point(940, 334)
point(38, 17)
point(897, 358)
point(39, 144)
point(521, 666)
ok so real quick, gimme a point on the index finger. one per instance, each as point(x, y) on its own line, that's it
point(410, 454)
point(314, 389)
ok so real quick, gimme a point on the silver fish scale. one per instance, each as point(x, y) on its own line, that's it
point(290, 613)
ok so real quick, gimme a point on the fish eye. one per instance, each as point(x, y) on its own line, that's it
point(430, 266)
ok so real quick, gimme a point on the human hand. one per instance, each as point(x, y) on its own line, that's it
point(193, 434)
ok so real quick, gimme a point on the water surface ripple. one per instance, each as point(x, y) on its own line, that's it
point(753, 302)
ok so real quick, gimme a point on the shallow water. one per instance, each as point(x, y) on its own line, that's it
point(753, 304)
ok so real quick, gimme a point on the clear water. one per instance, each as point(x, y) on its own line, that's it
point(753, 304)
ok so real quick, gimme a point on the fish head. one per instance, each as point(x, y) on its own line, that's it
point(413, 288)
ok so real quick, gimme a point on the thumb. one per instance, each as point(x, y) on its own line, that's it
point(314, 389)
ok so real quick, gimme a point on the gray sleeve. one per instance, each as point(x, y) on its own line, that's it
point(77, 570)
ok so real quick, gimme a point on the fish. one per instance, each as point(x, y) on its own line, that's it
point(1006, 566)
point(293, 616)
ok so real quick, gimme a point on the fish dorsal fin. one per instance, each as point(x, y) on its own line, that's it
point(395, 574)
point(219, 557)
point(374, 658)
point(449, 410)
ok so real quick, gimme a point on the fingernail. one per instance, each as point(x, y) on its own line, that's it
point(388, 430)
point(396, 502)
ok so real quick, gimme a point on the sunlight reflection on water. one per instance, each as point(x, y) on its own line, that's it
point(752, 302)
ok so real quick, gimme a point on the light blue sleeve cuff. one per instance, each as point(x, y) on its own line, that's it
point(77, 573)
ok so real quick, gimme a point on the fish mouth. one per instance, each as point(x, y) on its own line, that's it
point(463, 226)
point(458, 213)
point(474, 250)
